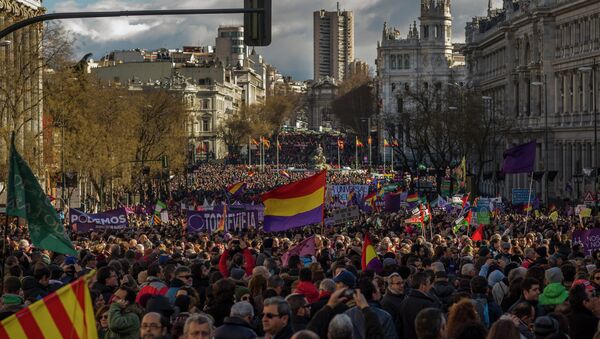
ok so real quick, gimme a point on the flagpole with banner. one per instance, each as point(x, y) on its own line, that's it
point(370, 154)
point(528, 202)
point(356, 153)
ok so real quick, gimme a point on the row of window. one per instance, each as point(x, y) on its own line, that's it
point(400, 61)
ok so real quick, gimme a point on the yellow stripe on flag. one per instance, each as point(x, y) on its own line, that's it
point(71, 304)
point(13, 329)
point(45, 321)
point(90, 318)
point(293, 206)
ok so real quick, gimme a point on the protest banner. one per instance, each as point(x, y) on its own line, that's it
point(590, 239)
point(207, 221)
point(342, 216)
point(342, 191)
point(86, 222)
point(260, 209)
point(521, 196)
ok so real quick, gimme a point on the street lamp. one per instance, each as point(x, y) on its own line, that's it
point(493, 111)
point(546, 164)
point(593, 70)
point(5, 43)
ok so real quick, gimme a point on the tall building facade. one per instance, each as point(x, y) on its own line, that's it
point(229, 45)
point(333, 43)
point(539, 63)
point(425, 58)
point(21, 94)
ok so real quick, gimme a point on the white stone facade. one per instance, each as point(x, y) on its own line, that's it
point(525, 50)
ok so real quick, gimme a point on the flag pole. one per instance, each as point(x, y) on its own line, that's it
point(392, 168)
point(4, 236)
point(356, 154)
point(528, 202)
point(249, 152)
point(370, 154)
point(384, 158)
point(277, 152)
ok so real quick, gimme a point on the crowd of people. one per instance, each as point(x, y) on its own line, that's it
point(525, 279)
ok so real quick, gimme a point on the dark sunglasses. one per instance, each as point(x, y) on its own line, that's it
point(270, 315)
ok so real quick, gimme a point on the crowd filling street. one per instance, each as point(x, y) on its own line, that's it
point(522, 276)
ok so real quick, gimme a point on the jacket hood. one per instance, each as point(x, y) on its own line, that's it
point(443, 289)
point(553, 294)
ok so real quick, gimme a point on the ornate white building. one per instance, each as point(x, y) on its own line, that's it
point(529, 49)
point(425, 57)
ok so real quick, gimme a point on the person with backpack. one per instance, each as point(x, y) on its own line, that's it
point(485, 306)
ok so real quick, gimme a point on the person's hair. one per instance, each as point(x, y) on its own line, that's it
point(257, 285)
point(181, 269)
point(242, 309)
point(470, 330)
point(104, 273)
point(504, 329)
point(198, 318)
point(44, 271)
point(305, 274)
point(568, 270)
point(283, 307)
point(522, 309)
point(224, 291)
point(460, 313)
point(419, 279)
point(305, 334)
point(577, 295)
point(340, 327)
point(429, 323)
point(101, 311)
point(528, 283)
point(466, 268)
point(327, 285)
point(153, 270)
point(479, 285)
point(275, 281)
point(367, 288)
point(164, 322)
point(296, 301)
point(130, 297)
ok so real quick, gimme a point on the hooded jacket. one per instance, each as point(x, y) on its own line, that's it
point(554, 294)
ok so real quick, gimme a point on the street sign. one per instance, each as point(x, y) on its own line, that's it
point(588, 197)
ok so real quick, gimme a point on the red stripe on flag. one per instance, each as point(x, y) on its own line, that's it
point(61, 317)
point(79, 290)
point(3, 333)
point(29, 324)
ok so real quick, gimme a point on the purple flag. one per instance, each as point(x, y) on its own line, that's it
point(391, 202)
point(305, 247)
point(590, 239)
point(519, 159)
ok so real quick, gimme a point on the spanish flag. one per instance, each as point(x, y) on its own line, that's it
point(66, 313)
point(359, 143)
point(395, 143)
point(386, 143)
point(370, 261)
point(296, 204)
point(254, 142)
point(236, 189)
point(221, 225)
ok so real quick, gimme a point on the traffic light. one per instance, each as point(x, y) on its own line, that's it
point(257, 26)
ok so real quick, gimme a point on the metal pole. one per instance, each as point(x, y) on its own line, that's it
point(277, 152)
point(62, 162)
point(546, 160)
point(249, 152)
point(595, 138)
point(339, 162)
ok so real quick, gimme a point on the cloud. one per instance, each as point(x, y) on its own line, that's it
point(291, 50)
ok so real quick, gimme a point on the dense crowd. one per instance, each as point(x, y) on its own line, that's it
point(526, 279)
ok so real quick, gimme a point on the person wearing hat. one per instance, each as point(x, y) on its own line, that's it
point(545, 326)
point(554, 292)
point(344, 279)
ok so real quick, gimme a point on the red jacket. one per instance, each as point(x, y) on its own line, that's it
point(248, 260)
point(309, 290)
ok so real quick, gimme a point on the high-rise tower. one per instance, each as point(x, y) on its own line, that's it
point(333, 41)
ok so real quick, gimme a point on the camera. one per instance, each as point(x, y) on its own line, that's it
point(349, 293)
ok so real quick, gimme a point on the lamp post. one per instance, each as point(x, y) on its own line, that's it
point(547, 168)
point(493, 111)
point(5, 43)
point(593, 78)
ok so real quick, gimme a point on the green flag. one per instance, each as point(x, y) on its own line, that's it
point(26, 199)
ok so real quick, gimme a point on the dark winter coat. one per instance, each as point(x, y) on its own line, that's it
point(582, 323)
point(414, 302)
point(234, 328)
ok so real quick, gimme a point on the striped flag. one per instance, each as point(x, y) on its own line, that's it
point(254, 142)
point(296, 204)
point(66, 313)
point(413, 197)
point(359, 143)
point(236, 189)
point(221, 225)
point(266, 142)
point(395, 143)
point(386, 143)
point(285, 173)
point(160, 206)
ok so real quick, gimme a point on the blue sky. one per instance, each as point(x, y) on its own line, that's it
point(291, 50)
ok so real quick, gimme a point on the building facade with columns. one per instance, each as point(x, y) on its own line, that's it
point(529, 51)
point(21, 97)
point(425, 58)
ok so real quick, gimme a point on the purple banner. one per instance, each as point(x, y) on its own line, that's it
point(109, 220)
point(590, 239)
point(260, 209)
point(208, 221)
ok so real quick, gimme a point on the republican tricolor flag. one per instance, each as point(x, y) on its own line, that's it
point(370, 261)
point(297, 204)
point(236, 189)
point(66, 313)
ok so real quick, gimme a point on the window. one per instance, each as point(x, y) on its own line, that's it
point(406, 61)
point(205, 125)
point(425, 32)
point(206, 104)
point(400, 103)
point(392, 61)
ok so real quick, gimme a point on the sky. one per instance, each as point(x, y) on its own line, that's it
point(291, 50)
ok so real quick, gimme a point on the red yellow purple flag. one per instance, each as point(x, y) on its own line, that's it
point(66, 313)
